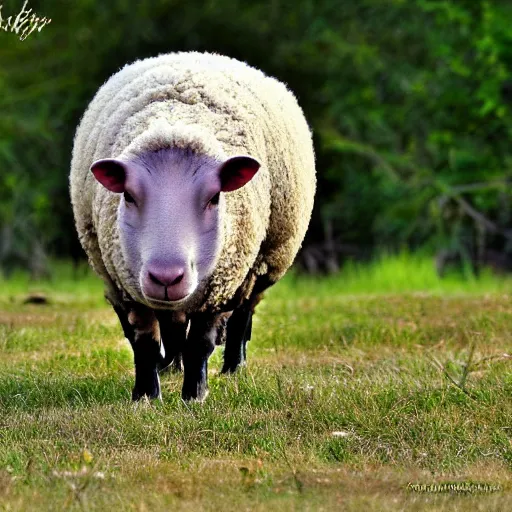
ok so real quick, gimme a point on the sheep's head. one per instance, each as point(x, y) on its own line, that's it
point(169, 216)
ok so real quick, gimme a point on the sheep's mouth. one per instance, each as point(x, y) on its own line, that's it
point(157, 303)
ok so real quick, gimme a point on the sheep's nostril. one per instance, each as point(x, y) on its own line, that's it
point(169, 277)
point(178, 279)
point(155, 279)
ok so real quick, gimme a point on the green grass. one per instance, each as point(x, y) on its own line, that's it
point(400, 273)
point(356, 386)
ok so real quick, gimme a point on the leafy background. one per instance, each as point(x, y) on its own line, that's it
point(409, 102)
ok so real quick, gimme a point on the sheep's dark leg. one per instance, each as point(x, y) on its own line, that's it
point(122, 309)
point(198, 348)
point(147, 353)
point(247, 337)
point(239, 331)
point(140, 327)
point(173, 329)
point(128, 330)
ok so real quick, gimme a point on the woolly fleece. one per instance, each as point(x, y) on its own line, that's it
point(203, 104)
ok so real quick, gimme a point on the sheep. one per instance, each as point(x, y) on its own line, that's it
point(192, 184)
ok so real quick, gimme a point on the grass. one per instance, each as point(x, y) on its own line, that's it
point(356, 386)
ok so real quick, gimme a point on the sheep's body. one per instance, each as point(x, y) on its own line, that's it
point(241, 112)
point(204, 104)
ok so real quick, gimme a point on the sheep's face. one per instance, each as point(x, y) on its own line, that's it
point(169, 218)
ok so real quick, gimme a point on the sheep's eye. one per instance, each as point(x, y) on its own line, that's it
point(129, 198)
point(214, 201)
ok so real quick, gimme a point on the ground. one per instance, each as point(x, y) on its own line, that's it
point(353, 395)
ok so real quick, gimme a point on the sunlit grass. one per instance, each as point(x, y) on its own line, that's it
point(66, 284)
point(400, 273)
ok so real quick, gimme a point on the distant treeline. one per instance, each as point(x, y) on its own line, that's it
point(410, 104)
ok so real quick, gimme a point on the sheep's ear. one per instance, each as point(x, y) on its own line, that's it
point(111, 173)
point(237, 171)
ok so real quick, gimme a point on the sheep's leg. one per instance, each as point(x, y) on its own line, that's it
point(239, 331)
point(121, 309)
point(173, 329)
point(147, 352)
point(198, 348)
point(247, 336)
point(141, 329)
point(128, 330)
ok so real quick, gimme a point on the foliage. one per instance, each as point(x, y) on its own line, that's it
point(409, 102)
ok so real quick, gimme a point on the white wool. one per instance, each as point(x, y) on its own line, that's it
point(214, 106)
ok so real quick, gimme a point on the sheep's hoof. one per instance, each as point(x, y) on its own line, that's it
point(198, 399)
point(194, 391)
point(231, 367)
point(147, 386)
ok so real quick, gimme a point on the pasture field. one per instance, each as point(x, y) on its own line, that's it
point(358, 387)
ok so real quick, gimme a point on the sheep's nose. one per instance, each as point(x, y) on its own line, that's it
point(168, 280)
point(170, 276)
